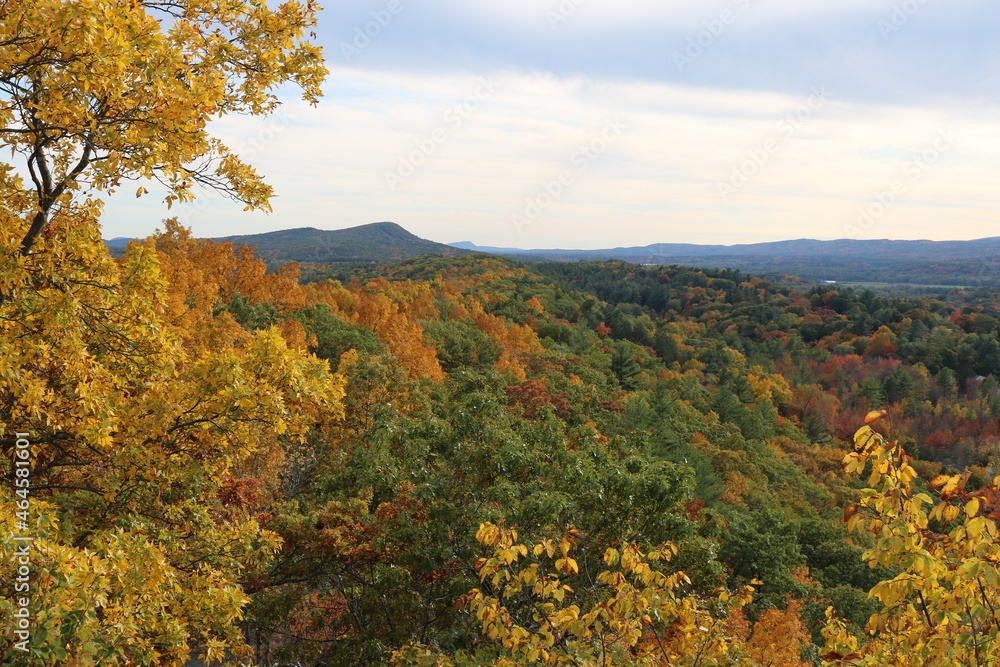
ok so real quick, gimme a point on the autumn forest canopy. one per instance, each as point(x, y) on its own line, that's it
point(448, 461)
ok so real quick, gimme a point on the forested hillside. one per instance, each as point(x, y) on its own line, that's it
point(471, 461)
point(375, 242)
point(452, 459)
point(917, 263)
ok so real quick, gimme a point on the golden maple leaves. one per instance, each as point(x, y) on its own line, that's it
point(144, 403)
point(940, 607)
point(98, 91)
point(536, 608)
point(139, 431)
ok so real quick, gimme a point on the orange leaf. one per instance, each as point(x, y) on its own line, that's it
point(940, 480)
point(874, 415)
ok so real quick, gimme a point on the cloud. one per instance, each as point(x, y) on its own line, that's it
point(479, 156)
point(629, 14)
point(891, 50)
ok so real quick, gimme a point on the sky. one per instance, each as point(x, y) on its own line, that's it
point(606, 123)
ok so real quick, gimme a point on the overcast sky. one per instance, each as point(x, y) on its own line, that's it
point(599, 123)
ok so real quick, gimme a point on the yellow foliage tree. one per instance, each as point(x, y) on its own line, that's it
point(941, 609)
point(133, 438)
point(638, 617)
point(97, 91)
point(135, 427)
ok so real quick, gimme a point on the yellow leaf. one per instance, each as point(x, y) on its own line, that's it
point(950, 512)
point(972, 507)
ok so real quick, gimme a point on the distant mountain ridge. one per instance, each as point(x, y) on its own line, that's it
point(922, 262)
point(954, 263)
point(375, 242)
point(795, 247)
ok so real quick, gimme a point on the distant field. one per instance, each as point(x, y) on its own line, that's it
point(917, 285)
